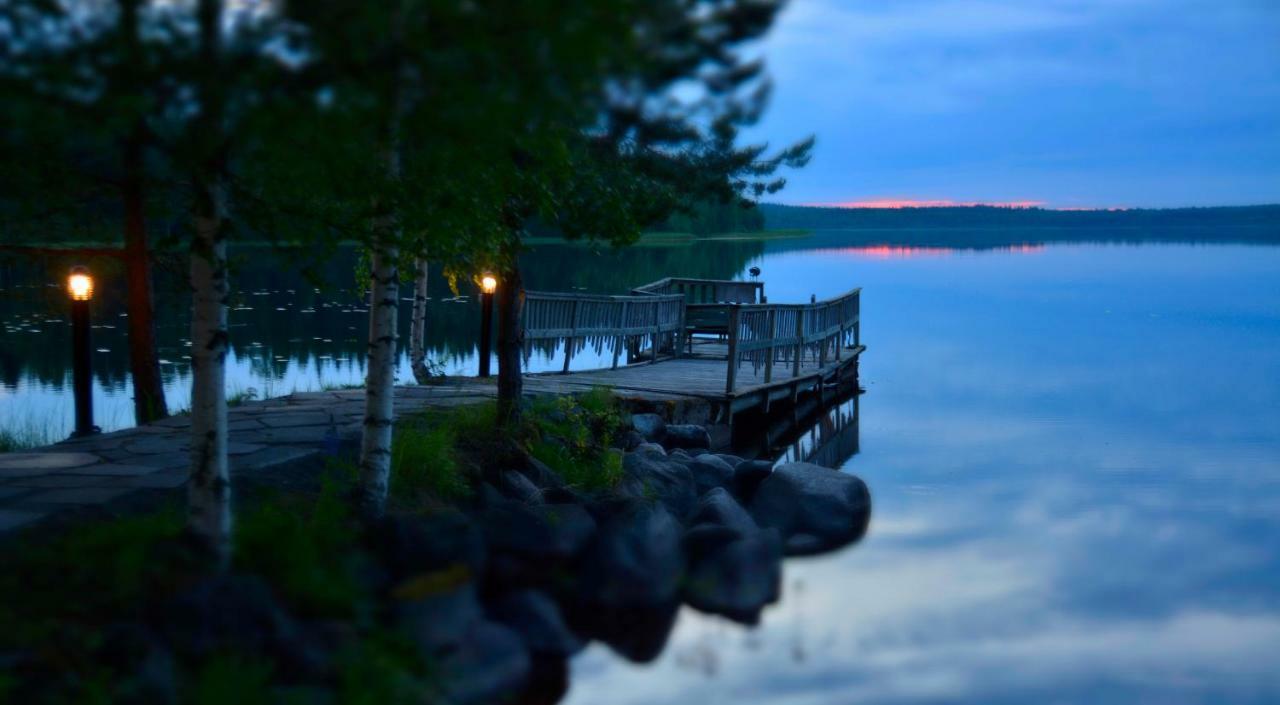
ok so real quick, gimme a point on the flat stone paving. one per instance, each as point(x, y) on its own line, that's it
point(79, 473)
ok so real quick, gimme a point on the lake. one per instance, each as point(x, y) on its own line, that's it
point(1073, 451)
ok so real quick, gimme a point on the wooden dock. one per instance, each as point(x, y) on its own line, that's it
point(719, 341)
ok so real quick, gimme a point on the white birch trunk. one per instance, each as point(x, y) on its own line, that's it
point(209, 490)
point(379, 387)
point(418, 329)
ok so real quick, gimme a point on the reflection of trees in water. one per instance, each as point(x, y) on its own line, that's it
point(279, 316)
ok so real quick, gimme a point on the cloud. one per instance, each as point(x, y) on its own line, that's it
point(1074, 102)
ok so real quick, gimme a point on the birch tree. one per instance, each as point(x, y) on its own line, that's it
point(418, 322)
point(209, 489)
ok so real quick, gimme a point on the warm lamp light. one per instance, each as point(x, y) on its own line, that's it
point(80, 287)
point(488, 284)
point(80, 284)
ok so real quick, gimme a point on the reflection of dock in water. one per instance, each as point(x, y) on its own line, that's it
point(821, 429)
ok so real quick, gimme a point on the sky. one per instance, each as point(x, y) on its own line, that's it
point(1065, 103)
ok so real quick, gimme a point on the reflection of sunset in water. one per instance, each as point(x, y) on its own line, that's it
point(904, 251)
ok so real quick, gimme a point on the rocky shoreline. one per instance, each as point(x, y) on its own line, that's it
point(496, 595)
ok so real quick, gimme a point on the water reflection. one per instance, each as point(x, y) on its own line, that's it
point(287, 333)
point(1077, 478)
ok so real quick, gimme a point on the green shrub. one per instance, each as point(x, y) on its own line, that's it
point(305, 550)
point(382, 669)
point(424, 460)
point(85, 573)
point(231, 679)
point(573, 435)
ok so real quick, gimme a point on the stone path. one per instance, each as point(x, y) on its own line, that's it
point(99, 471)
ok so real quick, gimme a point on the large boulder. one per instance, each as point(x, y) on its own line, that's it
point(536, 618)
point(748, 475)
point(710, 472)
point(527, 541)
point(516, 485)
point(815, 509)
point(489, 664)
point(636, 633)
point(651, 476)
point(634, 560)
point(687, 436)
point(627, 592)
point(234, 614)
point(411, 544)
point(737, 578)
point(475, 660)
point(651, 427)
point(735, 568)
point(718, 507)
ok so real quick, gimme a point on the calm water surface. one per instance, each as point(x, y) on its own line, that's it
point(1074, 458)
point(1073, 450)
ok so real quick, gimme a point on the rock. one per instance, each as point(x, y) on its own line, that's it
point(718, 507)
point(630, 440)
point(687, 436)
point(412, 544)
point(635, 559)
point(710, 472)
point(814, 508)
point(526, 542)
point(435, 614)
point(234, 614)
point(649, 476)
point(680, 454)
point(517, 486)
point(733, 460)
point(651, 427)
point(651, 449)
point(475, 660)
point(489, 664)
point(536, 618)
point(737, 579)
point(748, 475)
point(636, 633)
point(542, 475)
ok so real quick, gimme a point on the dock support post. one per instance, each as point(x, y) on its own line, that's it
point(656, 335)
point(799, 351)
point(772, 326)
point(568, 342)
point(731, 377)
point(622, 339)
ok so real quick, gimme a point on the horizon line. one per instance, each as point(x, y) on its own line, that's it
point(913, 203)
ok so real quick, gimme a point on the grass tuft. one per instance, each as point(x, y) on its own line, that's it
point(305, 549)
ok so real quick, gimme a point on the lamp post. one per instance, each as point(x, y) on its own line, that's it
point(488, 284)
point(80, 288)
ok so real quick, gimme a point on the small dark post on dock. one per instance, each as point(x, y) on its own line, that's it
point(488, 284)
point(80, 288)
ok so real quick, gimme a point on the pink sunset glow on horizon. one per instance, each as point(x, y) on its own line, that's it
point(897, 203)
point(924, 203)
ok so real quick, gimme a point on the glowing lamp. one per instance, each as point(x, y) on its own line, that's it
point(80, 284)
point(488, 284)
point(80, 287)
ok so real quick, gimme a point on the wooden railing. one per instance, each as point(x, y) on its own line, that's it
point(707, 291)
point(707, 300)
point(606, 323)
point(766, 334)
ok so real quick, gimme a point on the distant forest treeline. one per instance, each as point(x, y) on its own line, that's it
point(711, 218)
point(779, 217)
